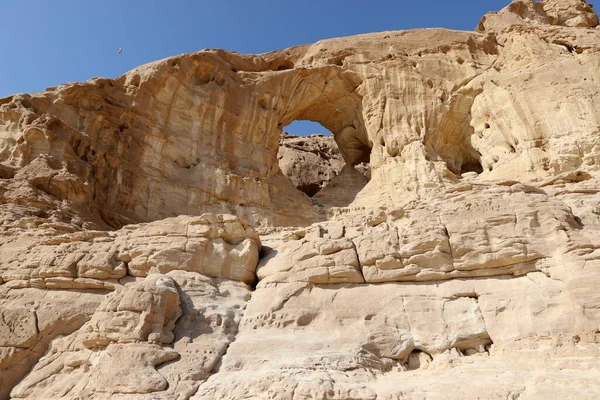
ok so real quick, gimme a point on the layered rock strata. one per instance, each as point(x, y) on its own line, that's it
point(152, 247)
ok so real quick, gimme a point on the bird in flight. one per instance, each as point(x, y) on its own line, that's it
point(120, 50)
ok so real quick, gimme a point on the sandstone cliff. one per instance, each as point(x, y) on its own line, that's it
point(310, 163)
point(152, 247)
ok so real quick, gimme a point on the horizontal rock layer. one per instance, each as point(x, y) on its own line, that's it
point(154, 242)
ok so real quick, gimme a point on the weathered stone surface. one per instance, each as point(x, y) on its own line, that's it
point(151, 245)
point(310, 163)
point(42, 270)
point(441, 239)
point(574, 13)
point(214, 245)
point(116, 351)
point(30, 319)
point(371, 341)
point(320, 260)
point(212, 310)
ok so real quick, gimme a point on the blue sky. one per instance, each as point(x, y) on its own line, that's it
point(48, 42)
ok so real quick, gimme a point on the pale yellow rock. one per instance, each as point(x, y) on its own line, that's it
point(371, 337)
point(574, 13)
point(212, 310)
point(146, 312)
point(309, 164)
point(320, 260)
point(452, 250)
point(116, 351)
point(31, 319)
point(215, 245)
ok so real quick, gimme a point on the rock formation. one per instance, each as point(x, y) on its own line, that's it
point(152, 247)
point(310, 163)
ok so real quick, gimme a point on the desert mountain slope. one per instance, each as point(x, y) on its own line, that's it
point(151, 246)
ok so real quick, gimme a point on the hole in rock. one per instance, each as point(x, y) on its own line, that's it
point(309, 156)
point(305, 319)
point(418, 359)
point(203, 74)
point(281, 64)
point(569, 47)
point(306, 128)
point(339, 60)
point(471, 166)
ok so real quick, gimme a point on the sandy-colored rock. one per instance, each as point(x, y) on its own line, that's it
point(438, 240)
point(376, 340)
point(574, 13)
point(320, 261)
point(30, 319)
point(310, 163)
point(50, 267)
point(214, 245)
point(212, 310)
point(116, 351)
point(154, 243)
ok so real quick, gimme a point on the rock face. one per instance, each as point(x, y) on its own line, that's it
point(154, 242)
point(310, 163)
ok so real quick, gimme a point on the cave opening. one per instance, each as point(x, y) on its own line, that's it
point(309, 156)
point(471, 166)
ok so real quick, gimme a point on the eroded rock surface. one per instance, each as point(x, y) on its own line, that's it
point(154, 245)
point(309, 162)
point(123, 342)
point(214, 245)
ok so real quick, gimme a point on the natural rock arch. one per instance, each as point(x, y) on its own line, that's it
point(309, 156)
point(435, 265)
point(328, 96)
point(200, 132)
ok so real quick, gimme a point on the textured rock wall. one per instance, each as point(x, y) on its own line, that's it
point(152, 247)
point(310, 163)
point(200, 131)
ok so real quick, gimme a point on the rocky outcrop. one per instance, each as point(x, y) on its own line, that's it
point(122, 342)
point(30, 319)
point(154, 243)
point(574, 13)
point(124, 348)
point(435, 241)
point(213, 245)
point(185, 269)
point(309, 162)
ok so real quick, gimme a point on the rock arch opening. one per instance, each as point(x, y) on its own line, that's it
point(318, 159)
point(309, 156)
point(306, 128)
point(315, 162)
point(327, 99)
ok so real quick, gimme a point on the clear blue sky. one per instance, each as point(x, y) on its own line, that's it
point(48, 42)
